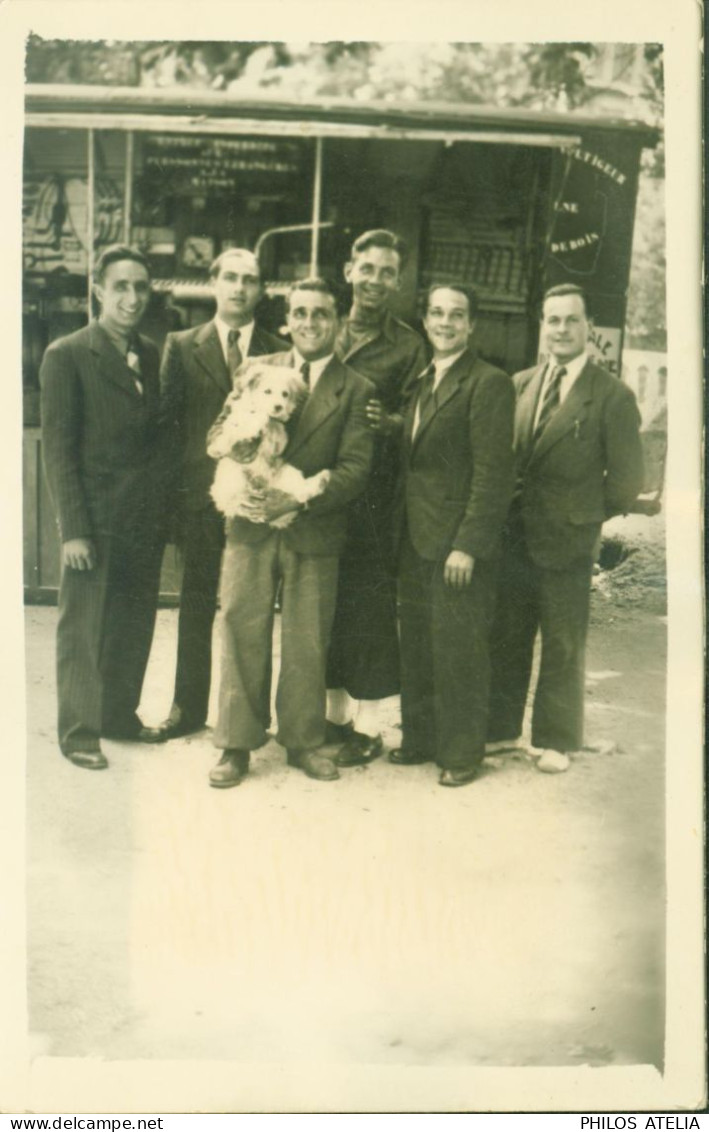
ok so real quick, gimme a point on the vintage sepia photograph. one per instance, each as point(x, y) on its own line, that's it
point(345, 493)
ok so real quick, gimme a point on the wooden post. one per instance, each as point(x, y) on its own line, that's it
point(128, 187)
point(90, 184)
point(317, 204)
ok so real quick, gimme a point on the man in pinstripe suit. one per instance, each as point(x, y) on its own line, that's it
point(104, 462)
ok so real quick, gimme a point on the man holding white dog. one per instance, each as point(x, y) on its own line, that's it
point(329, 433)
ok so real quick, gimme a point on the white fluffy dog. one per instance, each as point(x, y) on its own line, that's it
point(248, 440)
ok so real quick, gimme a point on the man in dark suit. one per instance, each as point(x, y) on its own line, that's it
point(579, 461)
point(457, 482)
point(330, 432)
point(196, 376)
point(106, 472)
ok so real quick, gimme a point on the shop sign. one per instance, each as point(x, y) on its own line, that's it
point(207, 164)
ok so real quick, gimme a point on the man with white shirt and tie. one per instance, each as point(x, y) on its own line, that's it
point(105, 464)
point(196, 377)
point(579, 462)
point(457, 480)
point(329, 432)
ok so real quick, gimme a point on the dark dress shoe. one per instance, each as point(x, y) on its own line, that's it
point(151, 735)
point(359, 750)
point(336, 733)
point(459, 777)
point(402, 757)
point(314, 764)
point(176, 728)
point(89, 760)
point(231, 769)
point(138, 734)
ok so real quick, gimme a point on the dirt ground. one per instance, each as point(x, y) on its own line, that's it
point(377, 919)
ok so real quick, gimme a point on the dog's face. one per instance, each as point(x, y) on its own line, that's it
point(274, 391)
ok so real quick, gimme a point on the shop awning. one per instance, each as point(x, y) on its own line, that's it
point(141, 108)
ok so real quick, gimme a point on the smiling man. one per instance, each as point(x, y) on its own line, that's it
point(457, 479)
point(363, 664)
point(579, 462)
point(104, 461)
point(196, 377)
point(330, 432)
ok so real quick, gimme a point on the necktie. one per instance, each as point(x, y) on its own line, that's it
point(233, 353)
point(133, 362)
point(427, 397)
point(305, 372)
point(550, 402)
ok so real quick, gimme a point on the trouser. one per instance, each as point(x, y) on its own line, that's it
point(531, 597)
point(104, 633)
point(202, 544)
point(250, 577)
point(444, 660)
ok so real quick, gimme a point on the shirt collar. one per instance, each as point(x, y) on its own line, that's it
point(573, 368)
point(316, 368)
point(245, 333)
point(442, 365)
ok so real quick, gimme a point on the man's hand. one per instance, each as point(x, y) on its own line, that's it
point(274, 504)
point(458, 569)
point(377, 418)
point(79, 554)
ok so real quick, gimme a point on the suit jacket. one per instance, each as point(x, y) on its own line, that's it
point(586, 466)
point(194, 383)
point(102, 445)
point(329, 431)
point(458, 470)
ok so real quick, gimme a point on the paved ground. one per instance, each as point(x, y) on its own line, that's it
point(380, 919)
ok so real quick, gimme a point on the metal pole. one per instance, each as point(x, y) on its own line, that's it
point(128, 187)
point(317, 202)
point(90, 220)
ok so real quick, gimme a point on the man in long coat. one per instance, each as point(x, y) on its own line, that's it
point(363, 664)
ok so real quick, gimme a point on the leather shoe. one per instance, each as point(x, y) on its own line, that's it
point(139, 735)
point(150, 735)
point(176, 728)
point(314, 764)
point(231, 769)
point(402, 757)
point(336, 733)
point(89, 760)
point(459, 777)
point(359, 750)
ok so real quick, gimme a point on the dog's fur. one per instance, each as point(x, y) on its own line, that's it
point(249, 437)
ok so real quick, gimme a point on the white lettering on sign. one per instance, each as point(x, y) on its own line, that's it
point(604, 347)
point(584, 241)
point(598, 163)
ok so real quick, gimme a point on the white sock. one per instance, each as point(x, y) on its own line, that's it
point(366, 717)
point(339, 706)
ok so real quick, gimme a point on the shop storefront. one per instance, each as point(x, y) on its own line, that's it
point(507, 201)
